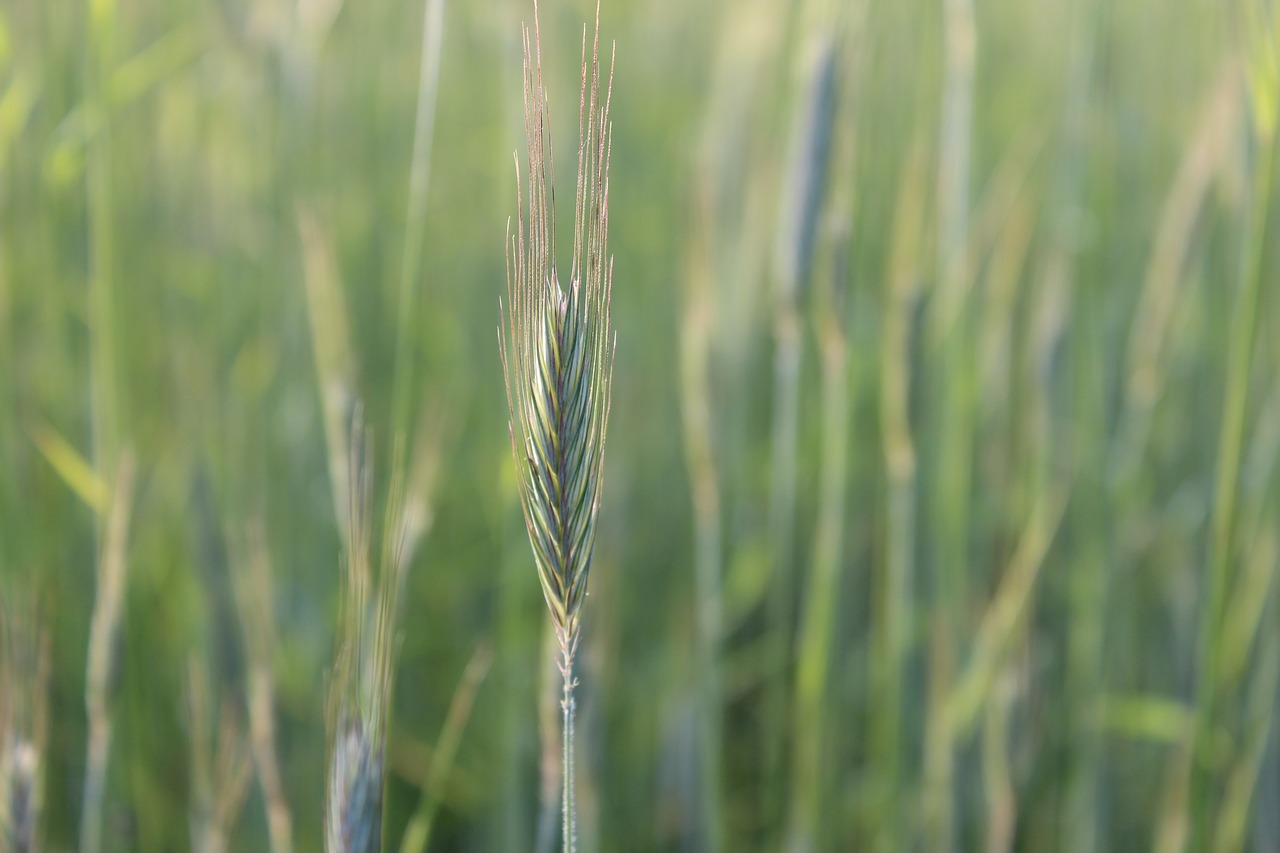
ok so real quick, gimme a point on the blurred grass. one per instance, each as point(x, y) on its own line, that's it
point(1044, 616)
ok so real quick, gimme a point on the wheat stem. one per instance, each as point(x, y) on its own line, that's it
point(568, 818)
point(697, 327)
point(103, 633)
point(1224, 520)
point(361, 689)
point(253, 592)
point(416, 214)
point(418, 832)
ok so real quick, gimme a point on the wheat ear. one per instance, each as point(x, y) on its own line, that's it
point(557, 357)
point(360, 692)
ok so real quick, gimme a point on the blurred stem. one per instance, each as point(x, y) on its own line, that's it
point(102, 296)
point(1087, 578)
point(333, 358)
point(252, 582)
point(817, 639)
point(800, 203)
point(417, 834)
point(1090, 569)
point(819, 614)
point(262, 734)
point(892, 610)
point(1001, 798)
point(1243, 330)
point(954, 422)
point(415, 218)
point(106, 423)
point(699, 442)
point(1259, 709)
point(939, 757)
point(104, 629)
point(1145, 372)
point(786, 417)
point(960, 45)
point(782, 500)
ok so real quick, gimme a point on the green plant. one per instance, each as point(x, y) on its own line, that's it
point(104, 629)
point(219, 760)
point(557, 357)
point(252, 583)
point(360, 694)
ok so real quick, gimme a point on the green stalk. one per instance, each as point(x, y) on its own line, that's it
point(1087, 582)
point(813, 685)
point(106, 418)
point(892, 622)
point(819, 614)
point(417, 833)
point(106, 410)
point(104, 631)
point(550, 745)
point(1243, 331)
point(954, 422)
point(415, 218)
point(997, 784)
point(782, 501)
point(802, 195)
point(1090, 569)
point(569, 823)
point(1259, 701)
point(699, 442)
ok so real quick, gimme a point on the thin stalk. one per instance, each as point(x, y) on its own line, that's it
point(568, 818)
point(333, 357)
point(550, 739)
point(954, 422)
point(1259, 706)
point(1091, 567)
point(106, 409)
point(813, 686)
point(819, 616)
point(251, 575)
point(699, 442)
point(782, 500)
point(360, 690)
point(415, 217)
point(802, 196)
point(104, 631)
point(1002, 803)
point(1009, 609)
point(1244, 328)
point(1145, 374)
point(220, 762)
point(892, 622)
point(1088, 570)
point(106, 418)
point(417, 834)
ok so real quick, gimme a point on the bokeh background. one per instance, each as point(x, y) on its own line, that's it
point(940, 504)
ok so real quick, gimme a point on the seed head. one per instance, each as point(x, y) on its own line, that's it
point(557, 346)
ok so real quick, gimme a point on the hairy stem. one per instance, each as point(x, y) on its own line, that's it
point(568, 819)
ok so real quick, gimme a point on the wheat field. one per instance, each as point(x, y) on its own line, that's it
point(941, 507)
